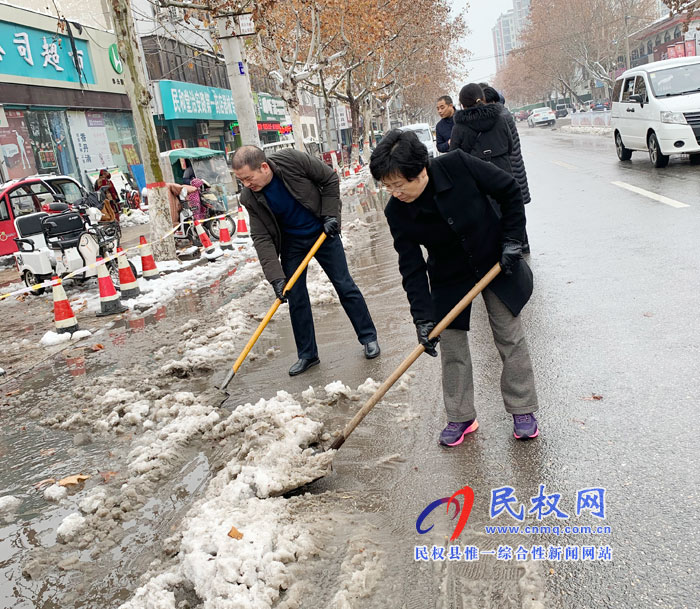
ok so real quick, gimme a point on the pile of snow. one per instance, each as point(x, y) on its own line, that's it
point(590, 130)
point(8, 506)
point(135, 218)
point(52, 338)
point(249, 568)
point(71, 526)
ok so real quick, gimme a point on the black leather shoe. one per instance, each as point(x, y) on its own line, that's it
point(303, 365)
point(372, 350)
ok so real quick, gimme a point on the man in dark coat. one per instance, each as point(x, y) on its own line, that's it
point(516, 157)
point(291, 197)
point(443, 205)
point(443, 130)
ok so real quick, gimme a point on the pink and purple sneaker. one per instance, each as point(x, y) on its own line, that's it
point(525, 426)
point(454, 433)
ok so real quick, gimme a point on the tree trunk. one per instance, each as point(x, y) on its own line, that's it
point(367, 124)
point(297, 129)
point(240, 84)
point(158, 170)
point(356, 131)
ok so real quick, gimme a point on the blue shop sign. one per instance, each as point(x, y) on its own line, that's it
point(184, 100)
point(32, 53)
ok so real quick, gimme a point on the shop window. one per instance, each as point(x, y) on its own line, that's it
point(52, 148)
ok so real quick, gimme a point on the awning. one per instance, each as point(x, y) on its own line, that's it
point(190, 153)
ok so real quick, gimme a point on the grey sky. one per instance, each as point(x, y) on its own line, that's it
point(481, 17)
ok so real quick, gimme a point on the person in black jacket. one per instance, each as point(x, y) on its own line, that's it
point(516, 157)
point(443, 130)
point(443, 206)
point(480, 130)
point(292, 197)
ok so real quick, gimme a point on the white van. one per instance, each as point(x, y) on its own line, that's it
point(656, 107)
point(425, 135)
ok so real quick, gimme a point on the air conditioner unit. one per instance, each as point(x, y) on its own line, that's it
point(202, 129)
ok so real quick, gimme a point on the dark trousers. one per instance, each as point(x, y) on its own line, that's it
point(331, 257)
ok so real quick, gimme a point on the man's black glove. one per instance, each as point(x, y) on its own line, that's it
point(423, 329)
point(278, 287)
point(331, 226)
point(511, 253)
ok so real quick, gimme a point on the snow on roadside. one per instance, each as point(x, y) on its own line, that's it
point(135, 218)
point(586, 130)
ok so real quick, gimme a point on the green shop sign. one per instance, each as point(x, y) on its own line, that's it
point(185, 100)
point(114, 59)
point(270, 108)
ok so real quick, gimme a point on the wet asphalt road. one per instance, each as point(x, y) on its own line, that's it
point(613, 315)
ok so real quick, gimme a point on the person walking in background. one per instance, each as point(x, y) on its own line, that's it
point(443, 206)
point(443, 130)
point(516, 157)
point(480, 130)
point(291, 197)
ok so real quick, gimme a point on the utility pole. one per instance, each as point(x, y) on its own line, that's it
point(627, 43)
point(239, 79)
point(157, 169)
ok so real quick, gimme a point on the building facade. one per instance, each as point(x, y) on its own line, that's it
point(63, 106)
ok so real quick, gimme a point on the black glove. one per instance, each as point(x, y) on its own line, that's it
point(278, 287)
point(423, 329)
point(511, 253)
point(331, 226)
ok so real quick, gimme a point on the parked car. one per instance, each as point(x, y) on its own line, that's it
point(656, 108)
point(522, 115)
point(598, 106)
point(424, 135)
point(561, 111)
point(541, 116)
point(29, 195)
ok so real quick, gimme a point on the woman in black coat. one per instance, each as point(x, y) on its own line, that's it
point(480, 130)
point(516, 156)
point(443, 205)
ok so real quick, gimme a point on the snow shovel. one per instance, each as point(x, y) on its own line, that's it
point(273, 309)
point(413, 356)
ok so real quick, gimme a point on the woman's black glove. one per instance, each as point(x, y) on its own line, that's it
point(330, 226)
point(511, 253)
point(278, 287)
point(423, 329)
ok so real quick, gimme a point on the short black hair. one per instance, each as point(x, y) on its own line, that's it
point(399, 153)
point(491, 95)
point(447, 99)
point(248, 156)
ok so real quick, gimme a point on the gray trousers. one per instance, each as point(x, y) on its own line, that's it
point(517, 377)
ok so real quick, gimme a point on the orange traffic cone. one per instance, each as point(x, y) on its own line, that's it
point(224, 234)
point(242, 232)
point(109, 299)
point(128, 286)
point(210, 251)
point(62, 313)
point(148, 264)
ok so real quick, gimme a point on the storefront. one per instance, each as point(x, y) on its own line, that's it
point(190, 115)
point(60, 113)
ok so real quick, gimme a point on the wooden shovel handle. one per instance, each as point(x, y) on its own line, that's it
point(414, 355)
point(275, 305)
